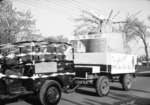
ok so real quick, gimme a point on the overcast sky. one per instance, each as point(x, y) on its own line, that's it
point(55, 17)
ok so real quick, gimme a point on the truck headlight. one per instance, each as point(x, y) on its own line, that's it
point(60, 67)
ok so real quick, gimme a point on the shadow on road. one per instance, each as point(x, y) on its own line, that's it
point(94, 102)
point(32, 100)
point(122, 98)
point(116, 88)
point(7, 101)
point(71, 101)
point(93, 93)
point(86, 92)
point(125, 99)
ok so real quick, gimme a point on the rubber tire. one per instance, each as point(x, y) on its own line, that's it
point(99, 86)
point(126, 82)
point(44, 89)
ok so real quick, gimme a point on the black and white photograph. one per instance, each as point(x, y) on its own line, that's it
point(74, 52)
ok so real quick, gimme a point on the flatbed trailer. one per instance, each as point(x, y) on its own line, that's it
point(98, 67)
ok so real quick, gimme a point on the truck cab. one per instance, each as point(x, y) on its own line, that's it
point(39, 68)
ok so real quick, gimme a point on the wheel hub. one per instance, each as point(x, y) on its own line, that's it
point(52, 95)
point(105, 87)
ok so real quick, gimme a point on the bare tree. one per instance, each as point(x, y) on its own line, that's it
point(14, 24)
point(133, 29)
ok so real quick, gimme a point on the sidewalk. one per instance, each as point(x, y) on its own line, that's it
point(143, 71)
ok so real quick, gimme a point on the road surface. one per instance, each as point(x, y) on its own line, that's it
point(139, 95)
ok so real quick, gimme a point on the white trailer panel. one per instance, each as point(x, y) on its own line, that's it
point(90, 58)
point(120, 63)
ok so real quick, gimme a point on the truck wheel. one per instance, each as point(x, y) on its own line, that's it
point(50, 93)
point(126, 81)
point(102, 86)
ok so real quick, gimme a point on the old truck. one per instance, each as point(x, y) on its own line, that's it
point(45, 69)
point(38, 68)
point(101, 59)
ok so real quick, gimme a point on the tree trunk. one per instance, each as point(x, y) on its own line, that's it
point(146, 52)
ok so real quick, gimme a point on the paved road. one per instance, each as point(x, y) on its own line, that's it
point(139, 95)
